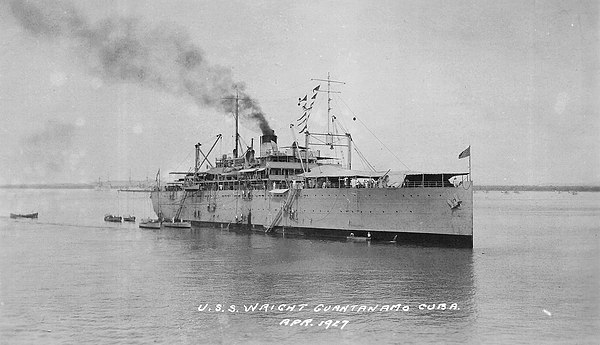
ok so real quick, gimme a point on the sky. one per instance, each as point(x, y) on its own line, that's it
point(118, 89)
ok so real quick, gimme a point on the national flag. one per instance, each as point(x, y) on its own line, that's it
point(317, 88)
point(466, 153)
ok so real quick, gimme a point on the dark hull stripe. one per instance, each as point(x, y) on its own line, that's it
point(410, 238)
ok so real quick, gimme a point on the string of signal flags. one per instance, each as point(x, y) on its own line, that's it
point(303, 102)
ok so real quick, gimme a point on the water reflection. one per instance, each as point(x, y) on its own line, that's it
point(243, 269)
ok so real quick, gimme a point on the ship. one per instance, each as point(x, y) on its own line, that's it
point(298, 191)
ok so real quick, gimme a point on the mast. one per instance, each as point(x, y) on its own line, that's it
point(196, 167)
point(330, 118)
point(236, 115)
point(237, 133)
point(349, 137)
point(329, 92)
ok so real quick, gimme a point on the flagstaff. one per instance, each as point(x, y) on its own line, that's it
point(467, 153)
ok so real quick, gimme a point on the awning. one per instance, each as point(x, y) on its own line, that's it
point(337, 171)
point(248, 170)
point(278, 191)
point(215, 171)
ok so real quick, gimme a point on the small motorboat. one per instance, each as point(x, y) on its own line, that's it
point(111, 218)
point(129, 219)
point(177, 223)
point(27, 215)
point(150, 223)
point(353, 238)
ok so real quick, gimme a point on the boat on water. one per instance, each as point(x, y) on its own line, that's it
point(300, 191)
point(150, 224)
point(112, 218)
point(129, 218)
point(353, 238)
point(26, 215)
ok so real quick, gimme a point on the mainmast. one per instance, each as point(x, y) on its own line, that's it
point(236, 115)
point(237, 132)
point(329, 136)
point(329, 92)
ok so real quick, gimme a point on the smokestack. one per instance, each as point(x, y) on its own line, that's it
point(268, 144)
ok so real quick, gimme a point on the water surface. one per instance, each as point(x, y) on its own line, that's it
point(69, 277)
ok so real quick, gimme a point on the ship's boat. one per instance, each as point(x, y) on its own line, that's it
point(353, 238)
point(298, 190)
point(111, 218)
point(26, 215)
point(129, 219)
point(150, 224)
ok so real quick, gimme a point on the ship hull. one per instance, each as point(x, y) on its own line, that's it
point(391, 237)
point(424, 216)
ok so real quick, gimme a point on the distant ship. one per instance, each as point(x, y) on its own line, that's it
point(298, 191)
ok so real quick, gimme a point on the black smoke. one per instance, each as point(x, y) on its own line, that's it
point(162, 57)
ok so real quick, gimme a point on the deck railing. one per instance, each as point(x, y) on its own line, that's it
point(416, 184)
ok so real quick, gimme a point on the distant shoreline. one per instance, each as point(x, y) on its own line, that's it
point(50, 186)
point(490, 188)
point(556, 188)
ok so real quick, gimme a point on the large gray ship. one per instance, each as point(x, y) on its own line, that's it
point(298, 191)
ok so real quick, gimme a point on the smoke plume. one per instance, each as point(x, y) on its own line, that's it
point(46, 155)
point(127, 50)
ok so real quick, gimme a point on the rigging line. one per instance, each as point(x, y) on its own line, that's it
point(183, 161)
point(243, 142)
point(387, 148)
point(320, 140)
point(337, 139)
point(296, 86)
point(360, 154)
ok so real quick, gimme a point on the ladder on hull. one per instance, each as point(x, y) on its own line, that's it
point(178, 214)
point(279, 215)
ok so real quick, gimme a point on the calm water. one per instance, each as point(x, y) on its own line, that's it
point(533, 277)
